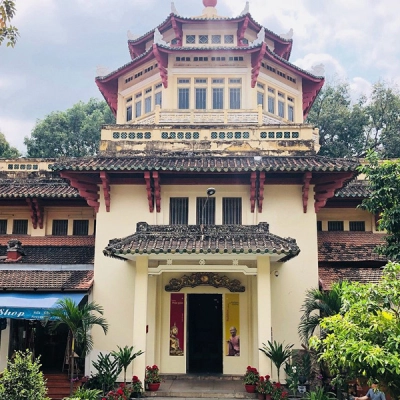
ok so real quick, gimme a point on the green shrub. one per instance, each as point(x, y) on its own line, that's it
point(22, 379)
point(85, 394)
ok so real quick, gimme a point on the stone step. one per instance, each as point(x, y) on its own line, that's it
point(201, 377)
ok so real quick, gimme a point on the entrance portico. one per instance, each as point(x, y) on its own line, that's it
point(222, 275)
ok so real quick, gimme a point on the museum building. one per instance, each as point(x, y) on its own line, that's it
point(207, 210)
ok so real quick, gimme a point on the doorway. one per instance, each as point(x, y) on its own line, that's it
point(204, 336)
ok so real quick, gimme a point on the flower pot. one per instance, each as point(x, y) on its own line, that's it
point(153, 387)
point(268, 397)
point(250, 388)
point(261, 396)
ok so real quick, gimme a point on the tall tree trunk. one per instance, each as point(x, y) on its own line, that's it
point(72, 362)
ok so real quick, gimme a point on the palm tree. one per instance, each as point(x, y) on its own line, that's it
point(80, 320)
point(125, 356)
point(277, 354)
point(317, 305)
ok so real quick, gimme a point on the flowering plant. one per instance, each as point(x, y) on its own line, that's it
point(264, 385)
point(278, 392)
point(152, 374)
point(136, 384)
point(122, 393)
point(251, 377)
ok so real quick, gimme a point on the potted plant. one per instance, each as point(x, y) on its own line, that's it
point(152, 378)
point(122, 393)
point(137, 388)
point(251, 378)
point(277, 354)
point(264, 388)
point(278, 392)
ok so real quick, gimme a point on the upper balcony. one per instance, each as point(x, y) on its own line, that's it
point(208, 117)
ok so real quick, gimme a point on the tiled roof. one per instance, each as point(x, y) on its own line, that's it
point(349, 246)
point(218, 19)
point(49, 240)
point(223, 239)
point(355, 189)
point(64, 255)
point(36, 188)
point(329, 275)
point(198, 163)
point(46, 280)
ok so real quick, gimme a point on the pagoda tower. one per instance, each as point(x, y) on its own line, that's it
point(207, 187)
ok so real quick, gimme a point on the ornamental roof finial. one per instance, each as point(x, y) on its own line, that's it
point(210, 3)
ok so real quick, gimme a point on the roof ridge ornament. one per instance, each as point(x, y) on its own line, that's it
point(173, 9)
point(246, 9)
point(288, 35)
point(158, 38)
point(210, 3)
point(260, 38)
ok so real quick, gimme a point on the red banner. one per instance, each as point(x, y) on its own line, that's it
point(177, 325)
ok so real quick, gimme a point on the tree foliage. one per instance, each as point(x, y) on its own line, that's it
point(71, 133)
point(317, 305)
point(384, 200)
point(340, 123)
point(22, 379)
point(6, 150)
point(350, 129)
point(80, 320)
point(364, 339)
point(8, 32)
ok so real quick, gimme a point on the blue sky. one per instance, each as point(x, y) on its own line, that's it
point(53, 65)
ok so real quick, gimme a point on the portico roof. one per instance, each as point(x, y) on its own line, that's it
point(192, 240)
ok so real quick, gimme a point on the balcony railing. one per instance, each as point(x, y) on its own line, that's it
point(208, 117)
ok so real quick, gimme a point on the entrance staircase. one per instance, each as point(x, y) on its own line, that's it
point(58, 386)
point(204, 386)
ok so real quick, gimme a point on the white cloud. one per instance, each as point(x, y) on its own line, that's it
point(15, 131)
point(333, 67)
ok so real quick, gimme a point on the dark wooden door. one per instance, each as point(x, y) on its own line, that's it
point(204, 333)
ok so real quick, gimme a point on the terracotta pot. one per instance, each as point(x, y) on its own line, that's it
point(250, 388)
point(261, 396)
point(268, 397)
point(153, 387)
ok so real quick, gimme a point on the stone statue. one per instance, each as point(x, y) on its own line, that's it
point(260, 37)
point(318, 70)
point(246, 9)
point(287, 35)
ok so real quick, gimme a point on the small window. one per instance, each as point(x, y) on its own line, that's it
point(178, 210)
point(260, 99)
point(129, 113)
point(232, 210)
point(216, 39)
point(183, 98)
point(20, 227)
point(205, 211)
point(218, 98)
point(335, 226)
point(234, 81)
point(81, 227)
point(228, 39)
point(158, 99)
point(357, 226)
point(271, 90)
point(190, 39)
point(201, 98)
point(281, 109)
point(3, 226)
point(234, 98)
point(147, 105)
point(60, 227)
point(319, 226)
point(138, 109)
point(203, 39)
point(218, 81)
point(271, 105)
point(183, 81)
point(290, 113)
point(200, 81)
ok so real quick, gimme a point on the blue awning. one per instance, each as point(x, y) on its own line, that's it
point(32, 305)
